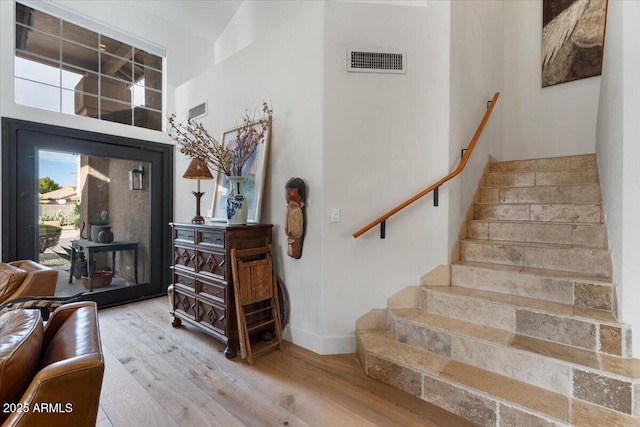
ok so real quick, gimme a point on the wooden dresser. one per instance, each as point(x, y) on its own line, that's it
point(202, 280)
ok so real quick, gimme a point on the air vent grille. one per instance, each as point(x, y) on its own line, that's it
point(376, 62)
point(198, 111)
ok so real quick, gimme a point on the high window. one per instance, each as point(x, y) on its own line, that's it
point(64, 67)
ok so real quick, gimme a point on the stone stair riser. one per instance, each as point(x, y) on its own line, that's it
point(486, 313)
point(615, 340)
point(474, 407)
point(519, 365)
point(566, 213)
point(564, 330)
point(513, 282)
point(588, 193)
point(509, 179)
point(611, 393)
point(530, 179)
point(575, 260)
point(556, 163)
point(510, 362)
point(560, 328)
point(596, 262)
point(566, 234)
point(580, 176)
point(421, 336)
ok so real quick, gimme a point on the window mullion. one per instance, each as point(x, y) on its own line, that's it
point(106, 90)
point(60, 63)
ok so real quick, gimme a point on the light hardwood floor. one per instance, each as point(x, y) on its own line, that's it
point(157, 375)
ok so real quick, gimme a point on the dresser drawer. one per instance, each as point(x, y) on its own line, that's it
point(213, 238)
point(211, 263)
point(213, 290)
point(184, 257)
point(185, 303)
point(184, 280)
point(212, 316)
point(186, 235)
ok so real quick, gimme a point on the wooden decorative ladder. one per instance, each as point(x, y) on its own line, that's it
point(256, 297)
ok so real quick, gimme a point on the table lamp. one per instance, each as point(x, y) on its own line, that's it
point(197, 170)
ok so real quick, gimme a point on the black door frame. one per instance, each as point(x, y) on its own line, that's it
point(20, 141)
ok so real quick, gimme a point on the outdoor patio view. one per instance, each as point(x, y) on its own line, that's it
point(93, 218)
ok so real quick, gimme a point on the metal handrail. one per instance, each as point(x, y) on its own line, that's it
point(467, 153)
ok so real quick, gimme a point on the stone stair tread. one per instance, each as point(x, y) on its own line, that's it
point(555, 274)
point(628, 368)
point(380, 344)
point(548, 307)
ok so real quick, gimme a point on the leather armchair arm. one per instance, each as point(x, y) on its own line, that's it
point(40, 280)
point(65, 393)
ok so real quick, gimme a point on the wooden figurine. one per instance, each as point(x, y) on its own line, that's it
point(295, 193)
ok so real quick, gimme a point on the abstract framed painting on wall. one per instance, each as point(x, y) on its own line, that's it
point(572, 39)
point(254, 170)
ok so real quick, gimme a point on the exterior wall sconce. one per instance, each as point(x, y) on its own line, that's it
point(135, 178)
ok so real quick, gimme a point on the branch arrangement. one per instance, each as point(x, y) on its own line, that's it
point(196, 142)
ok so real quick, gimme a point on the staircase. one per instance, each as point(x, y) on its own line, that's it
point(520, 329)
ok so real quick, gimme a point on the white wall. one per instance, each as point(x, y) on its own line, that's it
point(618, 133)
point(541, 122)
point(477, 57)
point(386, 138)
point(182, 64)
point(284, 67)
point(254, 20)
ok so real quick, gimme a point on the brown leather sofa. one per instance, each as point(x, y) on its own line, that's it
point(51, 374)
point(26, 278)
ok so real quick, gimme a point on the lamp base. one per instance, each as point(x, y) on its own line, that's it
point(197, 220)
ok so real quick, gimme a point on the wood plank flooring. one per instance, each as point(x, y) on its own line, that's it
point(157, 375)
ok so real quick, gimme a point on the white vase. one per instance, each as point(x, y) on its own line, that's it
point(236, 201)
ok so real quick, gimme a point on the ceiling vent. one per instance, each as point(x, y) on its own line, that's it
point(359, 61)
point(198, 111)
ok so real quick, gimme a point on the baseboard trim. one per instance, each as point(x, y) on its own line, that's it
point(319, 344)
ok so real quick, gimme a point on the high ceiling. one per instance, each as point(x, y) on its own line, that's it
point(206, 18)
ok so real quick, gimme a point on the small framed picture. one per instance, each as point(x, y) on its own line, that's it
point(254, 170)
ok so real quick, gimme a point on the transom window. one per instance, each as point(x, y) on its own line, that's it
point(61, 66)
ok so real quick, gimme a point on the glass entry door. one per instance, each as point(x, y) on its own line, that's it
point(94, 207)
point(93, 217)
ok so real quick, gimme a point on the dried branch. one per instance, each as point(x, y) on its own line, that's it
point(196, 142)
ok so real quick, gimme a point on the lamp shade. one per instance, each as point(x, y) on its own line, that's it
point(197, 170)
